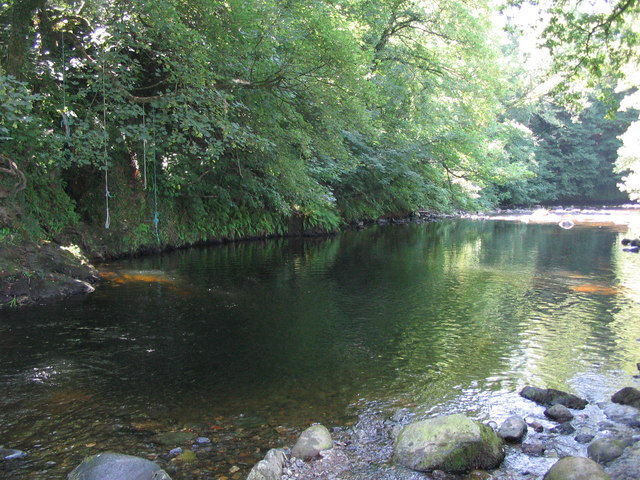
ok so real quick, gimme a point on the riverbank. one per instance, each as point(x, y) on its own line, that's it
point(39, 271)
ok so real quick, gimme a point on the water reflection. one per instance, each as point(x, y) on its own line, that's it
point(456, 313)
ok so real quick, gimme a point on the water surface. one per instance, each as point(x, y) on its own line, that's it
point(248, 343)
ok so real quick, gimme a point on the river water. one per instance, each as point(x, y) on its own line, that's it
point(246, 344)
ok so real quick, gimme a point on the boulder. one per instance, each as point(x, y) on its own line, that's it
point(627, 396)
point(576, 468)
point(550, 396)
point(116, 466)
point(270, 468)
point(604, 450)
point(311, 442)
point(513, 429)
point(452, 443)
point(559, 413)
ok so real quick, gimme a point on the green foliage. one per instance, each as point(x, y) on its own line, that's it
point(574, 157)
point(230, 118)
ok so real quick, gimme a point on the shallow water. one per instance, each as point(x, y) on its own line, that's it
point(248, 343)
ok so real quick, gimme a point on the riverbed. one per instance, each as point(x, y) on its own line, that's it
point(246, 344)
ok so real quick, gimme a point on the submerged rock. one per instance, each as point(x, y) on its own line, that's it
point(550, 396)
point(452, 443)
point(116, 466)
point(576, 468)
point(174, 438)
point(311, 442)
point(11, 454)
point(624, 414)
point(270, 468)
point(513, 429)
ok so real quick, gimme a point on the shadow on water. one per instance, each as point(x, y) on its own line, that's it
point(248, 343)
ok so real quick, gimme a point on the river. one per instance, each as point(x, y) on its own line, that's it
point(248, 343)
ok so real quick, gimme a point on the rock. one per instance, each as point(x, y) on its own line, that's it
point(311, 442)
point(453, 443)
point(535, 449)
point(203, 440)
point(11, 454)
point(564, 429)
point(173, 438)
point(116, 466)
point(551, 396)
point(623, 414)
point(188, 456)
point(604, 450)
point(626, 467)
point(559, 413)
point(270, 468)
point(584, 438)
point(576, 468)
point(537, 427)
point(513, 429)
point(627, 396)
point(175, 451)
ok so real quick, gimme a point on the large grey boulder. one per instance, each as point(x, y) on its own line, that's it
point(311, 442)
point(513, 429)
point(116, 466)
point(453, 443)
point(576, 468)
point(550, 396)
point(270, 468)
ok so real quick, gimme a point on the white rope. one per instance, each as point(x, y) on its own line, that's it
point(107, 195)
point(144, 147)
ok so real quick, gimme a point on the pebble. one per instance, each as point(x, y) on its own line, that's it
point(563, 429)
point(175, 451)
point(584, 438)
point(203, 440)
point(11, 454)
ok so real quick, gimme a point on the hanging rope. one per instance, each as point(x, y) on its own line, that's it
point(107, 195)
point(144, 147)
point(65, 120)
point(156, 214)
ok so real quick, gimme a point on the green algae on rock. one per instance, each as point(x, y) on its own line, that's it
point(453, 443)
